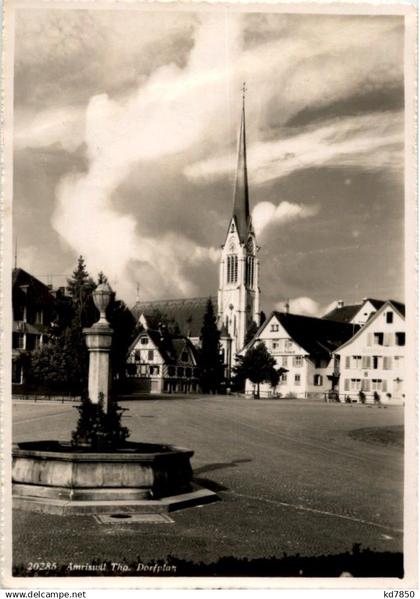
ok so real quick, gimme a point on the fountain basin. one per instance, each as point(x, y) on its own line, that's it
point(53, 476)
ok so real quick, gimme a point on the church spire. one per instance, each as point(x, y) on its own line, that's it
point(241, 197)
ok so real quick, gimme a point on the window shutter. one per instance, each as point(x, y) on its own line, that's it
point(370, 339)
point(346, 384)
point(347, 362)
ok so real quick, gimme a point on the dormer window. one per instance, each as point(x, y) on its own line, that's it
point(232, 228)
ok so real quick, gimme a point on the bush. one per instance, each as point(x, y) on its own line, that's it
point(97, 429)
point(362, 397)
point(376, 397)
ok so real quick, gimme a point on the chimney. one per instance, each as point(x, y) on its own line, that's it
point(286, 307)
point(340, 303)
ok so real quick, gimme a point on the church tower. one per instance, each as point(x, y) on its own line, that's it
point(239, 293)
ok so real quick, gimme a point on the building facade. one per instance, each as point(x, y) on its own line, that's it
point(304, 348)
point(33, 310)
point(373, 360)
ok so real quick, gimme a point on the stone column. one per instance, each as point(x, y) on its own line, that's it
point(98, 341)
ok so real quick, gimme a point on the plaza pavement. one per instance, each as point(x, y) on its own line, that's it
point(290, 479)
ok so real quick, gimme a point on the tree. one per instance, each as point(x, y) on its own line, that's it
point(259, 366)
point(211, 367)
point(80, 288)
point(58, 366)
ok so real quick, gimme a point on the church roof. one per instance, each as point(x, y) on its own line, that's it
point(318, 336)
point(188, 314)
point(241, 212)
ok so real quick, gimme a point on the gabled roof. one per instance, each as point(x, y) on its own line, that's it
point(343, 314)
point(40, 293)
point(347, 313)
point(398, 306)
point(317, 336)
point(169, 346)
point(188, 314)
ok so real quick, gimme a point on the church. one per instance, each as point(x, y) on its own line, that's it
point(237, 303)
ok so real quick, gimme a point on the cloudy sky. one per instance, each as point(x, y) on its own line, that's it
point(125, 137)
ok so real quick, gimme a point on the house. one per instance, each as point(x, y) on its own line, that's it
point(161, 362)
point(372, 361)
point(182, 317)
point(33, 310)
point(355, 313)
point(304, 346)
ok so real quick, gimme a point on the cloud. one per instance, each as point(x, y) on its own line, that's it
point(169, 116)
point(370, 142)
point(266, 213)
point(172, 93)
point(306, 306)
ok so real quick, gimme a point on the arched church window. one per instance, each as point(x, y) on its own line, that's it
point(249, 274)
point(235, 269)
point(232, 269)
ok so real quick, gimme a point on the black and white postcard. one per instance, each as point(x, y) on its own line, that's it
point(209, 295)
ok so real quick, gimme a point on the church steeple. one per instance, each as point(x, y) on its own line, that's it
point(238, 297)
point(241, 211)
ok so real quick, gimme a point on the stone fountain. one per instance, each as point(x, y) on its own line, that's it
point(62, 478)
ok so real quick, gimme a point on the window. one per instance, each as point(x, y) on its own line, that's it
point(38, 342)
point(274, 327)
point(378, 338)
point(318, 380)
point(180, 371)
point(275, 345)
point(39, 317)
point(375, 362)
point(188, 372)
point(284, 361)
point(288, 344)
point(144, 340)
point(376, 384)
point(249, 273)
point(297, 379)
point(356, 362)
point(150, 354)
point(389, 317)
point(137, 355)
point(283, 378)
point(171, 370)
point(18, 341)
point(154, 370)
point(355, 384)
point(347, 363)
point(184, 356)
point(365, 361)
point(232, 269)
point(400, 338)
point(387, 362)
point(384, 386)
point(346, 384)
point(142, 369)
point(298, 361)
